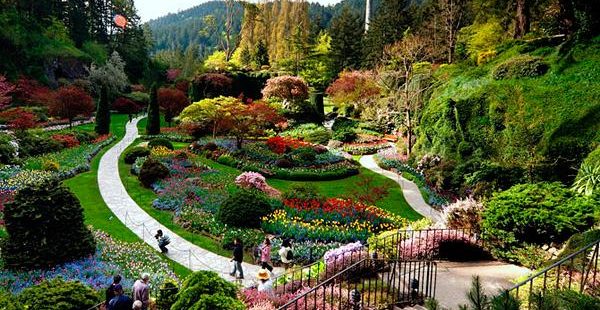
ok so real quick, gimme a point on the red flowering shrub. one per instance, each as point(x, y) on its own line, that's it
point(353, 86)
point(70, 102)
point(124, 105)
point(183, 85)
point(101, 138)
point(66, 140)
point(282, 145)
point(19, 119)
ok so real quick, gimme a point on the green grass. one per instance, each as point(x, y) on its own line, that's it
point(142, 125)
point(97, 214)
point(144, 197)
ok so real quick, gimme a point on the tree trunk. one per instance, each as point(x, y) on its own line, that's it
point(450, 46)
point(522, 18)
point(408, 133)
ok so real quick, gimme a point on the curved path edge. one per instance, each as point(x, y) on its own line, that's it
point(145, 226)
point(410, 190)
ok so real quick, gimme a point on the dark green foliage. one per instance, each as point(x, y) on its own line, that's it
point(167, 295)
point(152, 171)
point(578, 241)
point(9, 302)
point(521, 66)
point(343, 123)
point(45, 228)
point(316, 99)
point(211, 85)
point(134, 153)
point(261, 54)
point(32, 144)
point(199, 289)
point(59, 295)
point(250, 84)
point(347, 30)
point(160, 142)
point(244, 208)
point(306, 154)
point(7, 150)
point(344, 135)
point(538, 213)
point(304, 191)
point(564, 300)
point(103, 113)
point(153, 124)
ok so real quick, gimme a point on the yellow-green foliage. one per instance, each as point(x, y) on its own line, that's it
point(481, 37)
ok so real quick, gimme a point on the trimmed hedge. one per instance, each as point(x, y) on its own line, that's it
point(244, 208)
point(206, 290)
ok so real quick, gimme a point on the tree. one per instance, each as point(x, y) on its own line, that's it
point(125, 105)
point(228, 44)
point(252, 120)
point(261, 55)
point(71, 102)
point(6, 88)
point(346, 40)
point(111, 75)
point(210, 85)
point(453, 18)
point(103, 113)
point(172, 101)
point(355, 88)
point(19, 119)
point(214, 111)
point(522, 18)
point(77, 21)
point(317, 69)
point(407, 81)
point(153, 125)
point(391, 21)
point(45, 227)
point(290, 89)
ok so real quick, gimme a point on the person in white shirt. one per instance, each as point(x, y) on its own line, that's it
point(284, 253)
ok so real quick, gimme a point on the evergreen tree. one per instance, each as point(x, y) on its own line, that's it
point(103, 113)
point(261, 54)
point(77, 21)
point(388, 26)
point(153, 124)
point(98, 17)
point(346, 40)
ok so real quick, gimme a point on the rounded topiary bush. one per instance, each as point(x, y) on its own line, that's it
point(59, 294)
point(160, 142)
point(45, 228)
point(152, 170)
point(244, 208)
point(341, 123)
point(201, 285)
point(134, 153)
point(521, 66)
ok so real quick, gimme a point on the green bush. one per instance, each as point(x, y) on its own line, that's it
point(520, 66)
point(167, 294)
point(304, 191)
point(160, 142)
point(9, 302)
point(310, 132)
point(244, 208)
point(341, 123)
point(84, 136)
point(7, 150)
point(32, 144)
point(344, 135)
point(201, 285)
point(564, 299)
point(538, 213)
point(59, 294)
point(218, 302)
point(134, 153)
point(45, 228)
point(152, 171)
point(304, 154)
point(249, 237)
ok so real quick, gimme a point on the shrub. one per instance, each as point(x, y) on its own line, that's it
point(463, 214)
point(564, 299)
point(244, 208)
point(132, 154)
point(160, 142)
point(125, 105)
point(343, 123)
point(201, 285)
point(9, 302)
point(8, 151)
point(59, 294)
point(521, 66)
point(537, 213)
point(344, 135)
point(152, 171)
point(283, 163)
point(305, 154)
point(45, 228)
point(211, 85)
point(167, 294)
point(31, 144)
point(303, 191)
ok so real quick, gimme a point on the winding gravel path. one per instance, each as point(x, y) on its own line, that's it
point(145, 226)
point(409, 189)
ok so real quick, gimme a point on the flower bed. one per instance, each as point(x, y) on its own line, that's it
point(333, 220)
point(112, 257)
point(282, 158)
point(365, 148)
point(388, 160)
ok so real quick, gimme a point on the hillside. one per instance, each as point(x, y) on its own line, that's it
point(516, 128)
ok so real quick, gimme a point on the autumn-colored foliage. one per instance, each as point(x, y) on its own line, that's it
point(125, 105)
point(66, 140)
point(138, 88)
point(70, 102)
point(171, 101)
point(287, 88)
point(31, 92)
point(19, 119)
point(353, 87)
point(6, 88)
point(173, 74)
point(281, 145)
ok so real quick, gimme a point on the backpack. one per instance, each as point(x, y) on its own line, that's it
point(289, 255)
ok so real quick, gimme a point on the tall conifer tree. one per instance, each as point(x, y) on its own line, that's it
point(153, 124)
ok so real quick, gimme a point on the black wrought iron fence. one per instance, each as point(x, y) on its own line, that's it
point(370, 284)
point(577, 271)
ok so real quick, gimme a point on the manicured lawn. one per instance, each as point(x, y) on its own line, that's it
point(97, 214)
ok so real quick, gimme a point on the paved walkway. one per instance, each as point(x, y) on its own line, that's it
point(145, 226)
point(409, 189)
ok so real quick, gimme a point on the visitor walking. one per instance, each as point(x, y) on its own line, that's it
point(265, 284)
point(238, 258)
point(120, 301)
point(285, 253)
point(110, 291)
point(265, 255)
point(141, 290)
point(163, 241)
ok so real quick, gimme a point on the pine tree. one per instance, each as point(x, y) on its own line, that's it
point(261, 54)
point(77, 21)
point(388, 26)
point(346, 40)
point(103, 113)
point(153, 124)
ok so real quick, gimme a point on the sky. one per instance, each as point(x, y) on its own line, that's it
point(150, 9)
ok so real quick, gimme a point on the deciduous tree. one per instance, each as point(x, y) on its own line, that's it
point(172, 101)
point(290, 89)
point(71, 102)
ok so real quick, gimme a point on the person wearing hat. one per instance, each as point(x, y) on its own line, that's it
point(120, 301)
point(265, 284)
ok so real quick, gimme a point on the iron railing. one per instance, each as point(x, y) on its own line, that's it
point(577, 271)
point(370, 283)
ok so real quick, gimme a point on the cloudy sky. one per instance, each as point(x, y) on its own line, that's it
point(150, 9)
